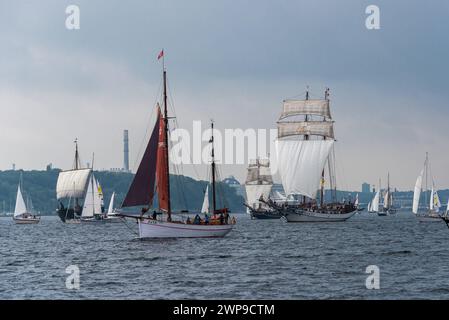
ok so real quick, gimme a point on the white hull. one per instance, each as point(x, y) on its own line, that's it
point(26, 220)
point(113, 219)
point(149, 228)
point(307, 216)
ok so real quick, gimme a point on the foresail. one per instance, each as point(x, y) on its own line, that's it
point(141, 191)
point(300, 164)
point(205, 207)
point(111, 204)
point(375, 202)
point(20, 204)
point(417, 192)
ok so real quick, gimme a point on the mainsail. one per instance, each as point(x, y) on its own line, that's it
point(303, 146)
point(375, 202)
point(72, 183)
point(141, 191)
point(20, 204)
point(162, 166)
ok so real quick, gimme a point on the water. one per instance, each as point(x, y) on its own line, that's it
point(257, 260)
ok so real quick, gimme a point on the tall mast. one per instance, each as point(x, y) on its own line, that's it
point(426, 165)
point(306, 137)
point(214, 203)
point(326, 95)
point(166, 145)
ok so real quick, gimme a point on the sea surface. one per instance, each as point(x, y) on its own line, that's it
point(259, 259)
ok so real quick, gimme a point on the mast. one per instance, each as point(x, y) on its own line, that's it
point(77, 166)
point(326, 96)
point(166, 145)
point(306, 137)
point(214, 203)
point(426, 165)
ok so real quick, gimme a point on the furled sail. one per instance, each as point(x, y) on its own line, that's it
point(162, 167)
point(317, 128)
point(141, 191)
point(417, 192)
point(205, 207)
point(301, 163)
point(375, 202)
point(306, 107)
point(72, 183)
point(20, 204)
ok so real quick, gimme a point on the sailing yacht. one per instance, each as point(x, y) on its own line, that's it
point(111, 214)
point(387, 208)
point(71, 187)
point(22, 214)
point(431, 213)
point(304, 147)
point(259, 183)
point(92, 207)
point(154, 170)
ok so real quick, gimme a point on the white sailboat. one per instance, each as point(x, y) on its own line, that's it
point(21, 213)
point(431, 212)
point(111, 214)
point(304, 147)
point(92, 202)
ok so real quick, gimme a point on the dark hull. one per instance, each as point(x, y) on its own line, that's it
point(267, 215)
point(67, 214)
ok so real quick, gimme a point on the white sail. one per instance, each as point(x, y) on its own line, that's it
point(72, 183)
point(387, 200)
point(205, 207)
point(92, 204)
point(356, 202)
point(436, 204)
point(447, 206)
point(254, 192)
point(431, 199)
point(111, 204)
point(417, 192)
point(369, 207)
point(375, 202)
point(20, 204)
point(300, 164)
point(317, 128)
point(309, 107)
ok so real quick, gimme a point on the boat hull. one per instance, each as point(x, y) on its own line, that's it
point(149, 228)
point(309, 216)
point(429, 218)
point(26, 220)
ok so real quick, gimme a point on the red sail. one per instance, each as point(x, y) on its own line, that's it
point(141, 191)
point(162, 167)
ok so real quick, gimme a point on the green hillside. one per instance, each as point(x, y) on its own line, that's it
point(40, 187)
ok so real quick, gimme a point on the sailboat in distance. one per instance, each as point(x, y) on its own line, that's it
point(22, 214)
point(154, 171)
point(431, 212)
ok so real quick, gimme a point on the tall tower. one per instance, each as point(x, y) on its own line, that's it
point(125, 151)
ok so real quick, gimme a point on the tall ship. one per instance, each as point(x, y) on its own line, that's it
point(305, 159)
point(71, 189)
point(153, 176)
point(431, 210)
point(258, 185)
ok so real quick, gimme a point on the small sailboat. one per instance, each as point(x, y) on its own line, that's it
point(154, 170)
point(21, 213)
point(375, 202)
point(305, 149)
point(387, 207)
point(92, 211)
point(357, 204)
point(431, 213)
point(111, 214)
point(258, 185)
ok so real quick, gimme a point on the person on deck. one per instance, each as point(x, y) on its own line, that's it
point(206, 219)
point(197, 220)
point(154, 215)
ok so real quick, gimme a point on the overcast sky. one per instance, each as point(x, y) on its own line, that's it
point(231, 61)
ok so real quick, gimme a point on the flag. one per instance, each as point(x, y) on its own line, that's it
point(161, 54)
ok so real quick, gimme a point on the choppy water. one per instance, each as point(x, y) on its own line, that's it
point(258, 259)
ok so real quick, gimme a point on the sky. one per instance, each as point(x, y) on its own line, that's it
point(231, 61)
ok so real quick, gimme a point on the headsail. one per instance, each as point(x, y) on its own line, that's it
point(141, 191)
point(111, 204)
point(20, 203)
point(92, 201)
point(417, 192)
point(205, 207)
point(375, 202)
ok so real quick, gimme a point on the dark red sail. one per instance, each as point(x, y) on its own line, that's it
point(141, 191)
point(162, 167)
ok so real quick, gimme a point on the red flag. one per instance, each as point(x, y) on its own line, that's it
point(161, 54)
